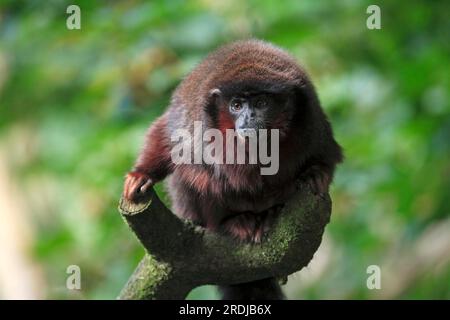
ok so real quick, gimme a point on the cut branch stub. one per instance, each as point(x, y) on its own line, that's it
point(181, 256)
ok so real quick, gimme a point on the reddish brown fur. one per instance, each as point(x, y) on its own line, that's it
point(225, 122)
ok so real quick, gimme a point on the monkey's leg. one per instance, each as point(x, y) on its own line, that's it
point(266, 289)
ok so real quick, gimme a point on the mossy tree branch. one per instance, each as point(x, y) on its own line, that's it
point(181, 256)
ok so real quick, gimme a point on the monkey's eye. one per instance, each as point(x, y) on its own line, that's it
point(236, 105)
point(261, 103)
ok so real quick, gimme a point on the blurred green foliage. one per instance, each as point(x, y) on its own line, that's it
point(75, 104)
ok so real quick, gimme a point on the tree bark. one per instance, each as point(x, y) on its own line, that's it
point(181, 256)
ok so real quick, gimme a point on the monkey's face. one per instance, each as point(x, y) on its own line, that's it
point(257, 111)
point(247, 111)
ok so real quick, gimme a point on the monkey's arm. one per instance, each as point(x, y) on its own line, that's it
point(318, 171)
point(153, 164)
point(318, 177)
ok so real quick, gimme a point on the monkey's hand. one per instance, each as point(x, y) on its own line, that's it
point(318, 179)
point(137, 185)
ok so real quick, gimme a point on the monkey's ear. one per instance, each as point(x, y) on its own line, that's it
point(213, 100)
point(211, 106)
point(215, 93)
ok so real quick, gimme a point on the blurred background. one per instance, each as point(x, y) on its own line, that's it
point(75, 105)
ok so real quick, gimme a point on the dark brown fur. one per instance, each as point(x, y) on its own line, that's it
point(237, 199)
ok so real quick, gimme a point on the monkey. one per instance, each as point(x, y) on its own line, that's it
point(245, 85)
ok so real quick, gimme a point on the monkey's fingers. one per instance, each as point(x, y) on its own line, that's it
point(319, 183)
point(136, 185)
point(257, 236)
point(243, 227)
point(318, 180)
point(147, 185)
point(128, 187)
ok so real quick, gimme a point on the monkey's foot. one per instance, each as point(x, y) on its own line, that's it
point(250, 226)
point(136, 186)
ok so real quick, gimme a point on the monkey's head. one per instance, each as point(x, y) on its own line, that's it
point(248, 107)
point(249, 85)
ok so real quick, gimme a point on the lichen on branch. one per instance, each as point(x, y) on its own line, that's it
point(181, 256)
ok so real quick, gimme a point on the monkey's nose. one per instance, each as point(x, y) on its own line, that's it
point(250, 115)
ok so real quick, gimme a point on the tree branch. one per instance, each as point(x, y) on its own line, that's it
point(181, 256)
